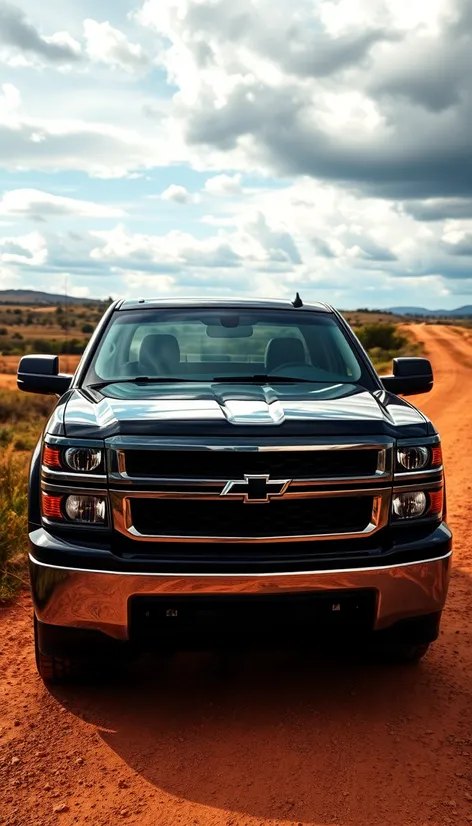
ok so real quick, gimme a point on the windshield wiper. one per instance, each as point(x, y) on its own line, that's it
point(263, 379)
point(257, 379)
point(140, 380)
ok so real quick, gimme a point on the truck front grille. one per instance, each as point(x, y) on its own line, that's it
point(279, 518)
point(222, 491)
point(215, 464)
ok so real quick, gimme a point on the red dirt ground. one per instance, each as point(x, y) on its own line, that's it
point(267, 738)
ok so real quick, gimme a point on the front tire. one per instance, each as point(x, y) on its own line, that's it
point(54, 669)
point(405, 653)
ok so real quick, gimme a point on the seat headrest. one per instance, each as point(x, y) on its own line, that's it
point(284, 351)
point(159, 355)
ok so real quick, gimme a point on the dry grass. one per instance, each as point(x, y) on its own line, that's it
point(14, 520)
point(7, 381)
point(22, 418)
point(9, 364)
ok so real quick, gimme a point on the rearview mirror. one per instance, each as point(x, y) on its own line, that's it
point(40, 374)
point(214, 331)
point(410, 377)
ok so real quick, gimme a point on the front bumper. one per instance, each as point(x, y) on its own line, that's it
point(99, 600)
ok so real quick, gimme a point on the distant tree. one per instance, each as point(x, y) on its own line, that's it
point(87, 328)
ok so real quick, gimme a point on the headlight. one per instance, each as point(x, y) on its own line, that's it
point(85, 508)
point(83, 459)
point(410, 504)
point(413, 458)
point(80, 508)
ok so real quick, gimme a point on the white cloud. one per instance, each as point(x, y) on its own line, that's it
point(162, 254)
point(18, 34)
point(252, 246)
point(351, 91)
point(222, 185)
point(33, 202)
point(106, 44)
point(50, 144)
point(30, 250)
point(177, 194)
point(77, 291)
point(10, 100)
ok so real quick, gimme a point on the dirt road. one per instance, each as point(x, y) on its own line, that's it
point(268, 739)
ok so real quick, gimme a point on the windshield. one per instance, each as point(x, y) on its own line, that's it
point(215, 345)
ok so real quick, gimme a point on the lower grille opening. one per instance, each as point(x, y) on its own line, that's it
point(267, 615)
point(284, 517)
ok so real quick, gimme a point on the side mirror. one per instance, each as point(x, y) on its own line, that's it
point(410, 377)
point(40, 374)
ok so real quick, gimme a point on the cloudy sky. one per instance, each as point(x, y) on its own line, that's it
point(238, 147)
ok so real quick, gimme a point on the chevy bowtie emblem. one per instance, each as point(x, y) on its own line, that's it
point(256, 488)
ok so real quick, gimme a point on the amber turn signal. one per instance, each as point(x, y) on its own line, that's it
point(436, 501)
point(51, 506)
point(436, 456)
point(51, 456)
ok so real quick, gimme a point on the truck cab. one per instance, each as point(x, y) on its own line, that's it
point(227, 470)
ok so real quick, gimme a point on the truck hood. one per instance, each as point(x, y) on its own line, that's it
point(301, 409)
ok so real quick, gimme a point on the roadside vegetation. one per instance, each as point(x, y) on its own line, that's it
point(385, 341)
point(22, 416)
point(22, 419)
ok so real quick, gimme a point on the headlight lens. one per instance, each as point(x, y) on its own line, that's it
point(85, 508)
point(413, 458)
point(410, 504)
point(83, 459)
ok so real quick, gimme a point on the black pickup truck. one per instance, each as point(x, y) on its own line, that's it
point(232, 470)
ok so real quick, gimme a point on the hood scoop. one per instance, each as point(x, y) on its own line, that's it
point(254, 411)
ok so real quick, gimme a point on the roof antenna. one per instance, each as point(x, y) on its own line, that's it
point(298, 302)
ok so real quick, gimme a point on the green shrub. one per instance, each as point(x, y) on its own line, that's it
point(385, 341)
point(383, 335)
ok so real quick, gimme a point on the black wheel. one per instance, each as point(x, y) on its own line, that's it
point(403, 653)
point(55, 669)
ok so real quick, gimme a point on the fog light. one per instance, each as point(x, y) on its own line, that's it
point(413, 458)
point(410, 504)
point(84, 508)
point(83, 459)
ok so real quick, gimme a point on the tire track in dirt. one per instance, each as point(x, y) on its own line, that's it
point(264, 738)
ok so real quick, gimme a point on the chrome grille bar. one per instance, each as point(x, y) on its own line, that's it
point(123, 522)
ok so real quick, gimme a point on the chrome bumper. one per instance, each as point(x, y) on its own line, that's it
point(98, 600)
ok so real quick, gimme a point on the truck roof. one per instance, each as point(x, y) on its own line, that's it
point(256, 303)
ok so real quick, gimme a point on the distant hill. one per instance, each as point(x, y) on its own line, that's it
point(38, 297)
point(461, 312)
